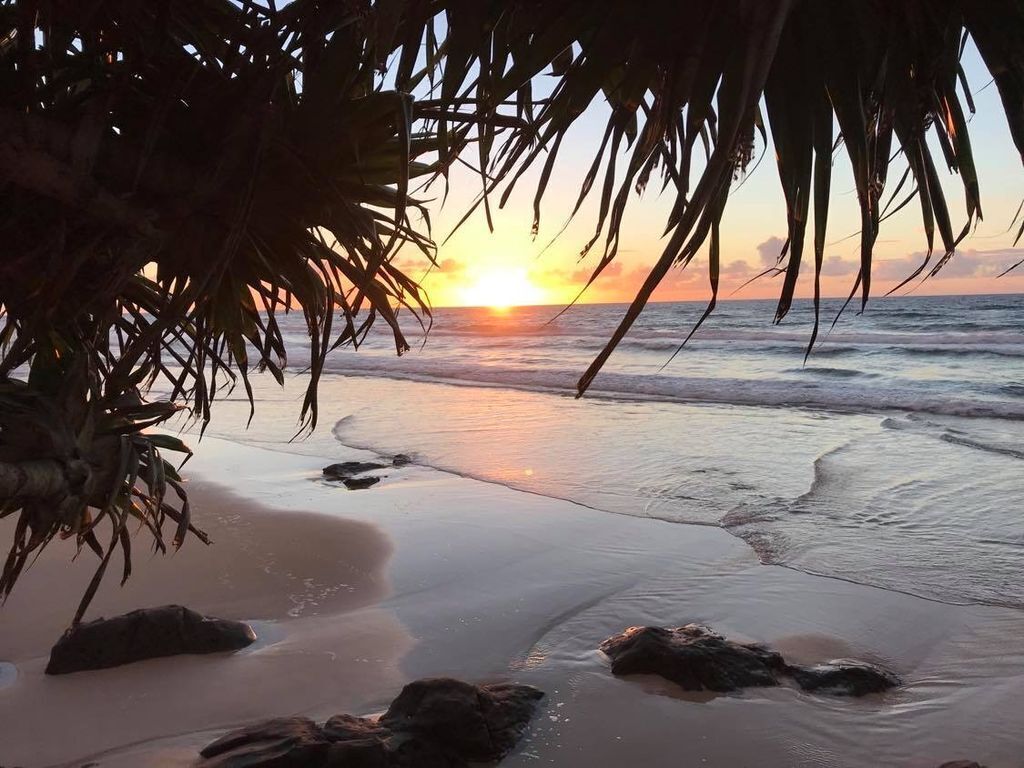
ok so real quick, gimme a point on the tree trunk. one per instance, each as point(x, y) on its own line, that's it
point(38, 479)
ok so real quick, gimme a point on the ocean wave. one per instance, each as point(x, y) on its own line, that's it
point(979, 439)
point(1014, 389)
point(1003, 350)
point(1002, 450)
point(774, 347)
point(997, 343)
point(833, 351)
point(889, 338)
point(837, 373)
point(771, 333)
point(835, 395)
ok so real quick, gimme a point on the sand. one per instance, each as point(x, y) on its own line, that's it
point(356, 592)
point(293, 575)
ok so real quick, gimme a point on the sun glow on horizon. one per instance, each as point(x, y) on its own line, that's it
point(502, 288)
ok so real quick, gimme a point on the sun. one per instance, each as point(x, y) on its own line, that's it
point(501, 289)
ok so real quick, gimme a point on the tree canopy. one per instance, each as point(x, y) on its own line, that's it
point(176, 175)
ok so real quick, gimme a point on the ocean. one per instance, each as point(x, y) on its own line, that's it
point(892, 457)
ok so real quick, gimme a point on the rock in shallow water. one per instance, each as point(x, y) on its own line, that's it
point(844, 677)
point(694, 657)
point(347, 469)
point(359, 483)
point(435, 723)
point(699, 659)
point(145, 634)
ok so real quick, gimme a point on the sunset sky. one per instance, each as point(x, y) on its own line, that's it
point(508, 266)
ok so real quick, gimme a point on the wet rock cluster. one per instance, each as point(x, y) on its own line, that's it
point(352, 474)
point(433, 723)
point(699, 659)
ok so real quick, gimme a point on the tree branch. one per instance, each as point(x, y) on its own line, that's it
point(36, 479)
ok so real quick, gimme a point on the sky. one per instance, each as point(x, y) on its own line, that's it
point(509, 266)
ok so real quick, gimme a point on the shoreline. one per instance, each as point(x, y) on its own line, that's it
point(694, 523)
point(485, 582)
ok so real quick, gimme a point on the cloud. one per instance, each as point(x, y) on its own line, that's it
point(837, 266)
point(451, 267)
point(968, 263)
point(832, 266)
point(739, 269)
point(678, 278)
point(583, 274)
point(411, 264)
point(769, 250)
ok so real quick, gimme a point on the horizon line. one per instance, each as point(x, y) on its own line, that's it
point(881, 297)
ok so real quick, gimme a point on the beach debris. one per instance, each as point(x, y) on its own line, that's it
point(433, 723)
point(844, 677)
point(694, 657)
point(699, 659)
point(359, 483)
point(401, 459)
point(147, 633)
point(347, 469)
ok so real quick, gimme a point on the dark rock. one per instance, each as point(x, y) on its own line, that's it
point(400, 460)
point(697, 658)
point(476, 723)
point(694, 657)
point(286, 742)
point(357, 742)
point(145, 634)
point(352, 728)
point(844, 677)
point(347, 469)
point(439, 723)
point(443, 711)
point(962, 764)
point(508, 709)
point(410, 752)
point(359, 483)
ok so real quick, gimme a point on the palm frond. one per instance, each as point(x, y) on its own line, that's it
point(877, 77)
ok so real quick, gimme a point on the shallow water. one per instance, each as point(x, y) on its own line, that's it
point(892, 458)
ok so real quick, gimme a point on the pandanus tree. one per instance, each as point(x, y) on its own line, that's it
point(176, 175)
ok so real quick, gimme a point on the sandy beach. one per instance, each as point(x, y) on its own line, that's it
point(678, 433)
point(427, 573)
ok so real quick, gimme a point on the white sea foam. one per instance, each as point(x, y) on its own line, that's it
point(835, 395)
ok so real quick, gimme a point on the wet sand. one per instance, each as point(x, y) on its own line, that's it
point(486, 583)
point(292, 575)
